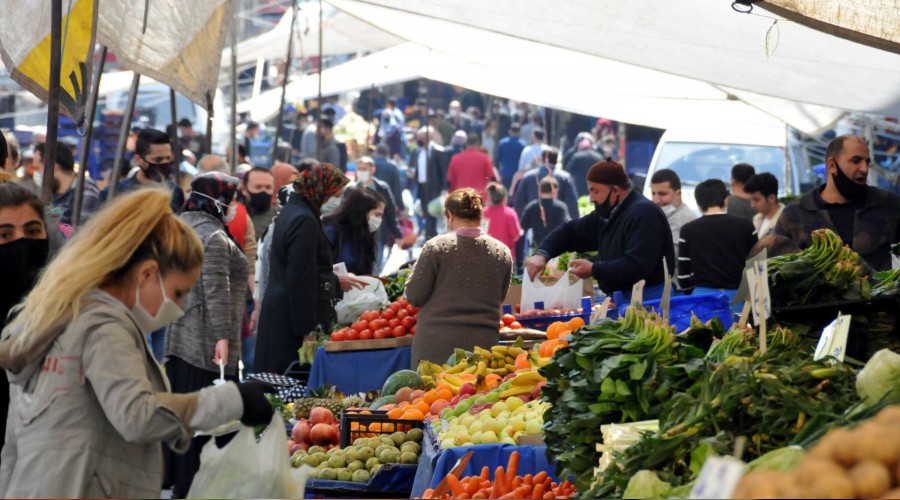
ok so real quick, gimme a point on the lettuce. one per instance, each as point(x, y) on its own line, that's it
point(880, 378)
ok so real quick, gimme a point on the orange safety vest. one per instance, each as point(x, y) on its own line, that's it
point(238, 225)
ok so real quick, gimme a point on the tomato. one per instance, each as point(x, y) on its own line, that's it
point(508, 319)
point(380, 334)
point(394, 323)
point(398, 331)
point(515, 325)
point(369, 315)
point(352, 335)
point(388, 314)
point(378, 324)
point(413, 310)
point(403, 302)
point(365, 334)
point(408, 322)
point(339, 336)
point(395, 306)
point(412, 331)
point(402, 313)
point(360, 326)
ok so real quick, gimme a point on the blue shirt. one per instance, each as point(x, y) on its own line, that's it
point(508, 152)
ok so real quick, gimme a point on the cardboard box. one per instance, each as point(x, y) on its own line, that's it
point(513, 297)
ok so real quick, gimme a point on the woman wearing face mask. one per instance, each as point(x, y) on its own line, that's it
point(81, 372)
point(210, 331)
point(24, 250)
point(301, 283)
point(353, 230)
point(459, 282)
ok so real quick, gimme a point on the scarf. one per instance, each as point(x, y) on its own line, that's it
point(320, 183)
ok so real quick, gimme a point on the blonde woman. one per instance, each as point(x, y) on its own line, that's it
point(89, 405)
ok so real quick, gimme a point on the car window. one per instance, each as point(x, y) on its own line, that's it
point(696, 162)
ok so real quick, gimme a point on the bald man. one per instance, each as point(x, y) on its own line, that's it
point(213, 163)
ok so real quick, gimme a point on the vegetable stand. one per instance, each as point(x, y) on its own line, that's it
point(353, 372)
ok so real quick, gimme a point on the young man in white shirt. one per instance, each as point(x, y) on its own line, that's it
point(763, 191)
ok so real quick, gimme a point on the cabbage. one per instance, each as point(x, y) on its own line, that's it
point(780, 460)
point(880, 378)
point(646, 484)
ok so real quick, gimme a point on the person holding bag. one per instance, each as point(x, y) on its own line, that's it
point(90, 406)
point(459, 282)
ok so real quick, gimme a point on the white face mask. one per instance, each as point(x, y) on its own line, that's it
point(331, 206)
point(38, 178)
point(374, 223)
point(669, 209)
point(168, 311)
point(363, 177)
point(228, 211)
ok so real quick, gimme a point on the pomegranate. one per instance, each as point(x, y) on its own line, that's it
point(320, 415)
point(300, 432)
point(324, 434)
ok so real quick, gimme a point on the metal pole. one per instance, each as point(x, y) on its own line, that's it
point(287, 70)
point(123, 134)
point(53, 100)
point(233, 156)
point(370, 116)
point(209, 125)
point(173, 138)
point(319, 113)
point(84, 154)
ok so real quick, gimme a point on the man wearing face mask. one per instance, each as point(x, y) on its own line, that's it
point(865, 217)
point(154, 158)
point(257, 194)
point(629, 232)
point(389, 231)
point(63, 180)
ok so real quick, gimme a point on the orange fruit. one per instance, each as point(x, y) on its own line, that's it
point(416, 394)
point(395, 413)
point(354, 426)
point(575, 323)
point(444, 394)
point(522, 361)
point(375, 427)
point(387, 427)
point(492, 380)
point(413, 414)
point(554, 329)
point(365, 412)
point(403, 394)
point(430, 396)
point(444, 385)
point(403, 404)
point(563, 334)
point(423, 407)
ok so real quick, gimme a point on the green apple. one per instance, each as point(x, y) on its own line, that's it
point(533, 427)
point(514, 403)
point(463, 439)
point(505, 439)
point(448, 443)
point(498, 408)
point(476, 437)
point(489, 437)
point(476, 426)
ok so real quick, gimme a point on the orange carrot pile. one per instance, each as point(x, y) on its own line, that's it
point(506, 484)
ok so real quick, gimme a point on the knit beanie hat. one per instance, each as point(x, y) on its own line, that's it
point(607, 172)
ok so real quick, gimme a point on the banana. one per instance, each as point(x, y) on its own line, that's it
point(528, 378)
point(452, 380)
point(482, 369)
point(514, 352)
point(471, 369)
point(539, 361)
point(510, 368)
point(516, 390)
point(458, 368)
point(484, 353)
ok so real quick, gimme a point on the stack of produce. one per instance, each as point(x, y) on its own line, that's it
point(506, 483)
point(826, 271)
point(485, 422)
point(396, 286)
point(847, 463)
point(556, 335)
point(484, 368)
point(320, 430)
point(396, 320)
point(775, 399)
point(615, 371)
point(362, 460)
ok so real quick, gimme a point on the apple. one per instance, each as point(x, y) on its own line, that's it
point(454, 400)
point(467, 388)
point(509, 376)
point(536, 392)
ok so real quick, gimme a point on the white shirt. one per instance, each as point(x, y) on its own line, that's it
point(423, 166)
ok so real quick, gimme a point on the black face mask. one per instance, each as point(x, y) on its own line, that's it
point(259, 202)
point(848, 188)
point(604, 209)
point(20, 263)
point(421, 144)
point(158, 172)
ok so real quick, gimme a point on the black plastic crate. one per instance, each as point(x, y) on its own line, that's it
point(355, 425)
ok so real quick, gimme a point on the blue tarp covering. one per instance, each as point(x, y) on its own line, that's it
point(357, 371)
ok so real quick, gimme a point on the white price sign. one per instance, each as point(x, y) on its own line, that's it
point(718, 478)
point(833, 341)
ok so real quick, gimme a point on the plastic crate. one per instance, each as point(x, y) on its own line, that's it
point(542, 322)
point(705, 306)
point(357, 425)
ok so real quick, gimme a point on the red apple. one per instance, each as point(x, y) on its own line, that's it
point(454, 400)
point(536, 392)
point(300, 432)
point(320, 415)
point(468, 388)
point(438, 406)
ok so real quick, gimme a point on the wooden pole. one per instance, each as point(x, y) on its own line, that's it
point(173, 138)
point(319, 102)
point(287, 70)
point(123, 134)
point(53, 100)
point(84, 154)
point(233, 152)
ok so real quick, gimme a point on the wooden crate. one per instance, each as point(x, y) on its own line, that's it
point(368, 345)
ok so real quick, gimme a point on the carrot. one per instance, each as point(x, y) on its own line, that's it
point(455, 485)
point(485, 473)
point(523, 491)
point(486, 484)
point(428, 493)
point(539, 478)
point(479, 494)
point(538, 491)
point(549, 484)
point(516, 481)
point(472, 485)
point(528, 479)
point(463, 495)
point(511, 494)
point(500, 486)
point(512, 467)
point(549, 495)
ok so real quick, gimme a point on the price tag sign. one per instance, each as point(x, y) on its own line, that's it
point(666, 301)
point(340, 269)
point(718, 478)
point(602, 312)
point(833, 341)
point(758, 283)
point(637, 293)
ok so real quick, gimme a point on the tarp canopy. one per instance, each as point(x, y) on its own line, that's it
point(343, 34)
point(801, 76)
point(871, 22)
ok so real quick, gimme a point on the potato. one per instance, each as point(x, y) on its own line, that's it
point(880, 443)
point(889, 415)
point(846, 451)
point(810, 469)
point(826, 447)
point(831, 485)
point(759, 484)
point(870, 479)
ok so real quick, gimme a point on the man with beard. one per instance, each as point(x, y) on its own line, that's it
point(64, 185)
point(865, 217)
point(629, 232)
point(153, 156)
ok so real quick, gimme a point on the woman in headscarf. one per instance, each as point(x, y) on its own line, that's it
point(209, 333)
point(301, 283)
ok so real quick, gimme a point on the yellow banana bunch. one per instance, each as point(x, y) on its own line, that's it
point(528, 378)
point(538, 361)
point(515, 390)
point(458, 368)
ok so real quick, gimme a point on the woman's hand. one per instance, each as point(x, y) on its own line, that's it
point(349, 281)
point(221, 353)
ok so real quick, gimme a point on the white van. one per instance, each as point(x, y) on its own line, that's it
point(709, 152)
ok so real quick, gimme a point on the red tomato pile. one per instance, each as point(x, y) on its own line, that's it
point(509, 321)
point(396, 320)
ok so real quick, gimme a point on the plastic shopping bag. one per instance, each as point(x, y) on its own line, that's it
point(562, 294)
point(245, 468)
point(372, 296)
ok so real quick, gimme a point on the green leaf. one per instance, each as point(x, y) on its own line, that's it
point(608, 386)
point(622, 388)
point(636, 371)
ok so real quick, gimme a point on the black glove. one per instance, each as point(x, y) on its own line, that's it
point(257, 410)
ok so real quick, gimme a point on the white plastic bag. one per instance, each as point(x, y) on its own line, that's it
point(247, 469)
point(372, 296)
point(561, 294)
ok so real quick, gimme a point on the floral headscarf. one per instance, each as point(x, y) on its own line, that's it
point(212, 192)
point(319, 183)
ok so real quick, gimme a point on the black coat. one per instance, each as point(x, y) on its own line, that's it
point(436, 180)
point(301, 286)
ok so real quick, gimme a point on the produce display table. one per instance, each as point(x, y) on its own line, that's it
point(357, 371)
point(434, 465)
point(392, 481)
